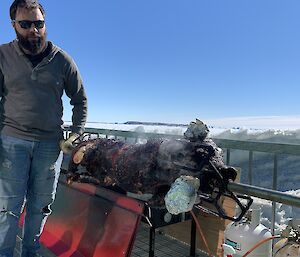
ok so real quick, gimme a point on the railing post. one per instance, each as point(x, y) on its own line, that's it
point(250, 165)
point(274, 187)
point(228, 156)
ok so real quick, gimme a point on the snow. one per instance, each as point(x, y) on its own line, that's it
point(282, 215)
point(283, 129)
point(259, 122)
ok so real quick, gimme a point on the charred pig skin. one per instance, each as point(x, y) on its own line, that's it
point(152, 167)
point(148, 168)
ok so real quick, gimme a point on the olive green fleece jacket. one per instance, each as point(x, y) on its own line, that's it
point(31, 98)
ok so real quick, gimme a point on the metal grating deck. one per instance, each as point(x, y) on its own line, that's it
point(165, 246)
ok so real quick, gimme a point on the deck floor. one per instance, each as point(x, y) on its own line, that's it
point(165, 246)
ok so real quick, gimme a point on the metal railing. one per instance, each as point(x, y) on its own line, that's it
point(275, 149)
point(264, 147)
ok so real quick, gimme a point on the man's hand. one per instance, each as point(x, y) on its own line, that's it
point(67, 145)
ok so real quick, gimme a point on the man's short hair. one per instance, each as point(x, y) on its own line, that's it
point(28, 4)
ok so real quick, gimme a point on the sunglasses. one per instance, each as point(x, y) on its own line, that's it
point(25, 24)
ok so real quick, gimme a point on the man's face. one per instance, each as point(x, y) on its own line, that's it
point(31, 39)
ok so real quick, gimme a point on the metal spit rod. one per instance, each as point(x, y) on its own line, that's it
point(267, 194)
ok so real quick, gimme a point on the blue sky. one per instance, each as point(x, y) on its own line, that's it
point(174, 61)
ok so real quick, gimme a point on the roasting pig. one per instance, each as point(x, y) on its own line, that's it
point(152, 167)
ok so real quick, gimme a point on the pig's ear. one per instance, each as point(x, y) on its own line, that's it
point(208, 181)
point(229, 173)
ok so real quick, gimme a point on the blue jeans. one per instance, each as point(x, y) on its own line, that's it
point(27, 171)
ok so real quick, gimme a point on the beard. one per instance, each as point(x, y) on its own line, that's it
point(32, 43)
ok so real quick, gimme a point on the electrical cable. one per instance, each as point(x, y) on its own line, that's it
point(259, 244)
point(201, 232)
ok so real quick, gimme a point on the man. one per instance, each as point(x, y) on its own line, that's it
point(34, 73)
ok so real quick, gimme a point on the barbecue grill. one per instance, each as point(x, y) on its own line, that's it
point(157, 217)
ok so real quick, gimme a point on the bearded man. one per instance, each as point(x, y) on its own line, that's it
point(34, 73)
